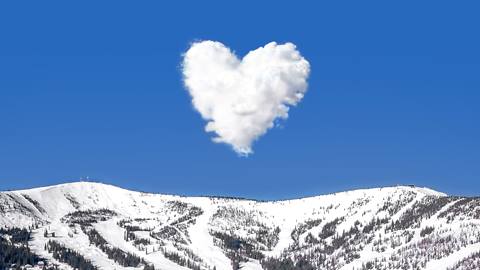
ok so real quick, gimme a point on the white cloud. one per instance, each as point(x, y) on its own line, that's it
point(241, 99)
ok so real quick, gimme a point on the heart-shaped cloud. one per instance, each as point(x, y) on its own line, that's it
point(241, 99)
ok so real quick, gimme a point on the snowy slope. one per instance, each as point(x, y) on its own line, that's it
point(383, 228)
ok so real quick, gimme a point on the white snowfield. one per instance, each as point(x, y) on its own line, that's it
point(382, 228)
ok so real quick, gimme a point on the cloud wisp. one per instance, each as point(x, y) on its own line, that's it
point(241, 98)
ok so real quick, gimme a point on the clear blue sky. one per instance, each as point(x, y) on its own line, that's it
point(93, 88)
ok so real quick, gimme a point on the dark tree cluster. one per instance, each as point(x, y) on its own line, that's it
point(192, 213)
point(127, 225)
point(141, 241)
point(265, 238)
point(169, 233)
point(237, 246)
point(422, 209)
point(374, 225)
point(287, 264)
point(86, 218)
point(329, 229)
point(119, 256)
point(463, 208)
point(304, 227)
point(14, 248)
point(69, 256)
point(16, 235)
point(149, 267)
point(426, 231)
point(133, 228)
point(186, 210)
point(180, 260)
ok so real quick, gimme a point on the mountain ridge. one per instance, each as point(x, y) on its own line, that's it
point(114, 228)
point(83, 182)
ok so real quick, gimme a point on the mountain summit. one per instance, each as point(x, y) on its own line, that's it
point(88, 225)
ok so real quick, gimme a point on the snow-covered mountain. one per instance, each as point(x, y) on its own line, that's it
point(96, 226)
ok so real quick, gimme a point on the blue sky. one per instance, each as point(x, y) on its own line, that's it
point(95, 89)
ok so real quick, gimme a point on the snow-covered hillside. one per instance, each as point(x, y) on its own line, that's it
point(112, 228)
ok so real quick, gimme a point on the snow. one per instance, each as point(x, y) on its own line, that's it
point(202, 241)
point(57, 201)
point(251, 265)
